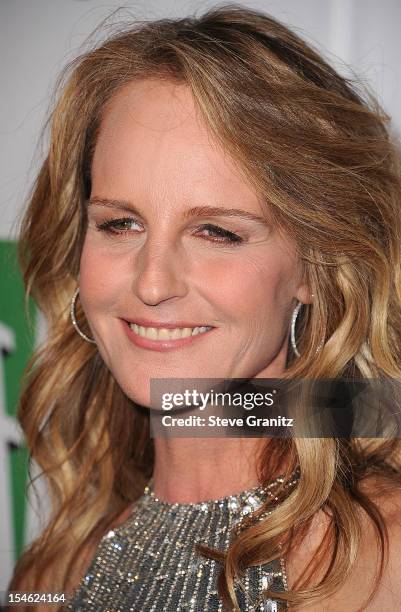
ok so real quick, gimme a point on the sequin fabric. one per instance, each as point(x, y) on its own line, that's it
point(149, 564)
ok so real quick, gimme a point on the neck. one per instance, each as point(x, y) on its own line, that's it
point(190, 470)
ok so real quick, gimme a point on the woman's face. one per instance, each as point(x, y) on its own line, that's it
point(176, 239)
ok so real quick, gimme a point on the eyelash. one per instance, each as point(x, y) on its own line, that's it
point(227, 237)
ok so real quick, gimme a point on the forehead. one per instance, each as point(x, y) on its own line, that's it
point(152, 138)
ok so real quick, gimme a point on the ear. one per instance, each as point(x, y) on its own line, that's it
point(304, 294)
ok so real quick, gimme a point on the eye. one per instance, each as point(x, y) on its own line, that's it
point(117, 226)
point(218, 234)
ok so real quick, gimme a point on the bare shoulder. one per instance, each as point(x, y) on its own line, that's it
point(351, 595)
point(388, 500)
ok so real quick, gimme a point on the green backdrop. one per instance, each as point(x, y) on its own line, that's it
point(18, 340)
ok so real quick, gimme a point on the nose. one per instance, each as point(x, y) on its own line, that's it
point(159, 273)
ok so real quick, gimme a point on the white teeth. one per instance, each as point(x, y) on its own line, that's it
point(163, 333)
point(200, 330)
point(150, 332)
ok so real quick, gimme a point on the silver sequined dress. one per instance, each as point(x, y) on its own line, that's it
point(149, 563)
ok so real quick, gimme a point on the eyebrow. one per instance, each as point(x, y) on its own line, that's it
point(196, 211)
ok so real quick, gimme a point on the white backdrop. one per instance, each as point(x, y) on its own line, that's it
point(37, 38)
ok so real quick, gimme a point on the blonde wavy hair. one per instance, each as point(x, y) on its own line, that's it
point(319, 152)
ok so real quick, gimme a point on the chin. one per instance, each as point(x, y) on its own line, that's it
point(139, 393)
point(139, 390)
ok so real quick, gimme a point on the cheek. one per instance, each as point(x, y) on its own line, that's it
point(251, 285)
point(98, 277)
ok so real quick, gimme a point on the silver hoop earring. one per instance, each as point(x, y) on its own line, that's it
point(74, 321)
point(293, 321)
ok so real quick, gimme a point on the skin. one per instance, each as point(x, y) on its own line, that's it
point(155, 153)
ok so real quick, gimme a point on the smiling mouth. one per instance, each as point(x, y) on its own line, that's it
point(164, 333)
